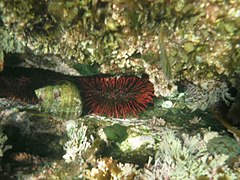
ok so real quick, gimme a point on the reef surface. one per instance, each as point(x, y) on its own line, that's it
point(99, 89)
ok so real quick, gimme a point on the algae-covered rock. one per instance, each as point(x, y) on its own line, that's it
point(169, 41)
point(119, 36)
point(224, 145)
point(3, 139)
point(135, 143)
point(63, 11)
point(188, 158)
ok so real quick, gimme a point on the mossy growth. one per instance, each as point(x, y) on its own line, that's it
point(200, 42)
point(3, 146)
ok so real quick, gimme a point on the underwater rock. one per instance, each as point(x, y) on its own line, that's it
point(61, 100)
point(234, 113)
point(63, 11)
point(3, 147)
point(123, 37)
point(224, 145)
point(135, 143)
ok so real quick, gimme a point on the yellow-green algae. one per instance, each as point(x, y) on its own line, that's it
point(201, 41)
point(3, 146)
point(201, 37)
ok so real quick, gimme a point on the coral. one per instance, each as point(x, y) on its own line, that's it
point(107, 168)
point(117, 96)
point(168, 40)
point(77, 142)
point(186, 158)
point(207, 94)
point(128, 171)
point(195, 120)
point(62, 99)
point(224, 145)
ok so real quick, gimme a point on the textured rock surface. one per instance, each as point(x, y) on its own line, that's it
point(126, 37)
point(172, 42)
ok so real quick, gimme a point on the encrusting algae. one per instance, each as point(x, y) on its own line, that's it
point(161, 44)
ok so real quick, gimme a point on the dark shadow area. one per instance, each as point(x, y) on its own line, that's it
point(28, 152)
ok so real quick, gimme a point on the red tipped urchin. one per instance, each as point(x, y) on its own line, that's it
point(117, 97)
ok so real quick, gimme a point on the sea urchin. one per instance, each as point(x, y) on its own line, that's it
point(117, 96)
